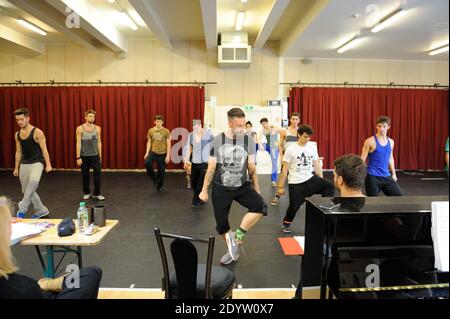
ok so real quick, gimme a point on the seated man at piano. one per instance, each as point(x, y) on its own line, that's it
point(405, 263)
point(16, 286)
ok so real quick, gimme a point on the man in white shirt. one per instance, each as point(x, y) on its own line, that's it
point(305, 179)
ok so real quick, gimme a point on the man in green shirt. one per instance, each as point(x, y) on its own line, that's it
point(158, 150)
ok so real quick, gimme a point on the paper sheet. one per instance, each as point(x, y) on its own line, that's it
point(439, 233)
point(21, 231)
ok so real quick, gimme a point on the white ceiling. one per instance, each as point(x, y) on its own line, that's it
point(424, 25)
point(301, 28)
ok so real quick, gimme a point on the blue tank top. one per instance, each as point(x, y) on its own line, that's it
point(379, 159)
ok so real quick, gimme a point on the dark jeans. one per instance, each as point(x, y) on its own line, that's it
point(90, 278)
point(197, 177)
point(375, 184)
point(298, 193)
point(158, 178)
point(94, 162)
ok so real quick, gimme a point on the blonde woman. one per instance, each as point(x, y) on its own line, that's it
point(15, 286)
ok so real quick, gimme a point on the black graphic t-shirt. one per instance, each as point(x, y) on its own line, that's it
point(232, 158)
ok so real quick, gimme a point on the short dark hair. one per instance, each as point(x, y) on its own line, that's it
point(264, 119)
point(22, 111)
point(352, 169)
point(90, 111)
point(235, 112)
point(159, 117)
point(384, 119)
point(305, 129)
point(249, 123)
point(295, 114)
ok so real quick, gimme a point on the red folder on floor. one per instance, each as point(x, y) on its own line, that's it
point(290, 246)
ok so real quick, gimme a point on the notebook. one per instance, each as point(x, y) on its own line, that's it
point(21, 231)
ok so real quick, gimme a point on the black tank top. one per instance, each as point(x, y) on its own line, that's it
point(31, 151)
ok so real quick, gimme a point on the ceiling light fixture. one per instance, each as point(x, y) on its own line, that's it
point(127, 20)
point(240, 20)
point(388, 20)
point(439, 50)
point(30, 26)
point(136, 18)
point(349, 45)
point(244, 1)
point(111, 1)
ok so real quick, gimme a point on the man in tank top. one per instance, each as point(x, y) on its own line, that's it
point(378, 149)
point(288, 137)
point(31, 158)
point(89, 154)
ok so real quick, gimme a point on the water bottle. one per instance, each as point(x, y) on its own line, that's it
point(82, 215)
point(85, 218)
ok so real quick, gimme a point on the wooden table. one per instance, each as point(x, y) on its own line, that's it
point(50, 239)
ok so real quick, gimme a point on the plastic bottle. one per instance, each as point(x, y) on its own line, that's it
point(82, 214)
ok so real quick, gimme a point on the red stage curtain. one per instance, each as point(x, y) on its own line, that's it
point(344, 117)
point(124, 113)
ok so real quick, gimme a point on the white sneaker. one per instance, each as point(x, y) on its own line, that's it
point(233, 246)
point(99, 197)
point(226, 259)
point(86, 196)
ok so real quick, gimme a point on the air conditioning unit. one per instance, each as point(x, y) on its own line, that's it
point(234, 51)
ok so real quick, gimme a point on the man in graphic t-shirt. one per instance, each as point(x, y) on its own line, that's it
point(231, 167)
point(301, 161)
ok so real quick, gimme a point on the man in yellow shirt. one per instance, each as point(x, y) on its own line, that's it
point(158, 150)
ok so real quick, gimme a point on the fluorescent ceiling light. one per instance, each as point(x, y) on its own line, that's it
point(244, 1)
point(440, 50)
point(136, 18)
point(111, 1)
point(388, 20)
point(240, 20)
point(126, 20)
point(349, 45)
point(30, 26)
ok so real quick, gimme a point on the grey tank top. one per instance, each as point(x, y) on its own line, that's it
point(89, 142)
point(290, 139)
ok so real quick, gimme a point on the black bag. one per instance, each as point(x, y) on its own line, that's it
point(66, 227)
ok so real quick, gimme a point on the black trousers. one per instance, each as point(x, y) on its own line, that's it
point(160, 160)
point(375, 184)
point(90, 278)
point(94, 162)
point(222, 198)
point(197, 177)
point(298, 193)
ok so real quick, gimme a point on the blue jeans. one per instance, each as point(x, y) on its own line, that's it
point(273, 151)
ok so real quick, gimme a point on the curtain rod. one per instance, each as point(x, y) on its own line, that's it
point(99, 82)
point(392, 84)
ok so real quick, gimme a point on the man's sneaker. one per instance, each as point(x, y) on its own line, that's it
point(99, 197)
point(40, 214)
point(286, 228)
point(21, 215)
point(275, 200)
point(233, 246)
point(226, 259)
point(86, 196)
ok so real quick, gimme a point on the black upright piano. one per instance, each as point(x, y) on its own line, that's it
point(392, 232)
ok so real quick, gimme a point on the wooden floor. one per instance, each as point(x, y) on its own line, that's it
point(260, 293)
